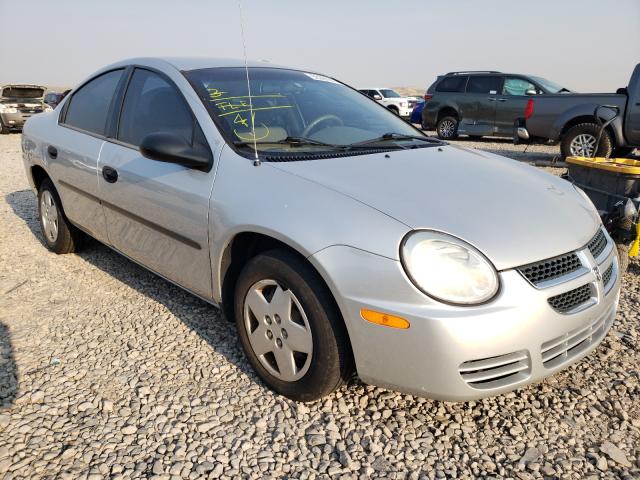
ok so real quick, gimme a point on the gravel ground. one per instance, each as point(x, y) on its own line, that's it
point(109, 371)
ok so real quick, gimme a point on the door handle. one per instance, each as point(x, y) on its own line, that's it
point(110, 174)
point(52, 151)
point(502, 99)
point(491, 99)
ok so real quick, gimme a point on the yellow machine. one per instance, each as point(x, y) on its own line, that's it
point(613, 185)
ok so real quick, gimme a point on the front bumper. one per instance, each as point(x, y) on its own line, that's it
point(463, 353)
point(15, 120)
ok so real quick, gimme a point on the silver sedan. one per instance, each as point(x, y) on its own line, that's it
point(334, 234)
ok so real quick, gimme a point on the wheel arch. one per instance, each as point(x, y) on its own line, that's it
point(589, 119)
point(446, 112)
point(38, 175)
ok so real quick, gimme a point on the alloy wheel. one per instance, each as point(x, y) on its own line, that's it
point(49, 216)
point(447, 128)
point(278, 330)
point(583, 145)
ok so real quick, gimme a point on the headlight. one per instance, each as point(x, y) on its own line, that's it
point(47, 108)
point(8, 109)
point(448, 269)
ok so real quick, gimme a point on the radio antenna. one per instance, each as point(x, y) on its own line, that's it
point(256, 160)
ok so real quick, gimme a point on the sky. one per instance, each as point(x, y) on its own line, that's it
point(585, 45)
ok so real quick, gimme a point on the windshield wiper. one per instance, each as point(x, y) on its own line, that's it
point(294, 141)
point(396, 136)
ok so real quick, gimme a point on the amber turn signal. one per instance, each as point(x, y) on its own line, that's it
point(384, 319)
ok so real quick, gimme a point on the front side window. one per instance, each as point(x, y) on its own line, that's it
point(289, 104)
point(153, 105)
point(483, 84)
point(454, 84)
point(517, 86)
point(89, 106)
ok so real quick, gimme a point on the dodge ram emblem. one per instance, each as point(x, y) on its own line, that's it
point(597, 273)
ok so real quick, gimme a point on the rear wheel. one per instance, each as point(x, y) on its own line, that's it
point(59, 235)
point(447, 128)
point(580, 141)
point(290, 327)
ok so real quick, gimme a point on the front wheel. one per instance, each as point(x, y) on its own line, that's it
point(59, 235)
point(580, 141)
point(290, 327)
point(4, 130)
point(447, 128)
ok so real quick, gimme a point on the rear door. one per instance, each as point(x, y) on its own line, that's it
point(75, 149)
point(511, 103)
point(157, 213)
point(478, 113)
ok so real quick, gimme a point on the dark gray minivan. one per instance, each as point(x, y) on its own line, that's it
point(480, 103)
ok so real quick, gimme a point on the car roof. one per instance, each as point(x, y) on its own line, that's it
point(192, 63)
point(22, 85)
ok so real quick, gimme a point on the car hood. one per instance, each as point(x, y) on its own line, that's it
point(512, 212)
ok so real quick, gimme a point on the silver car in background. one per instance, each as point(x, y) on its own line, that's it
point(333, 233)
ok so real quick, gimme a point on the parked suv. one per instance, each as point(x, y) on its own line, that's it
point(18, 103)
point(392, 100)
point(478, 104)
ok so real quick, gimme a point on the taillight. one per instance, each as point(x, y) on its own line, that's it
point(427, 97)
point(528, 111)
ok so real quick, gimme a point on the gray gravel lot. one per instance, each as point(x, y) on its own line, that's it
point(107, 371)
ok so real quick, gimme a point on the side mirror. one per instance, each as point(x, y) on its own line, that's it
point(531, 91)
point(377, 97)
point(171, 148)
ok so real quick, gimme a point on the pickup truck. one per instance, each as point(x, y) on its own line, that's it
point(570, 119)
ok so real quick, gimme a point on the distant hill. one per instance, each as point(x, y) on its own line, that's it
point(410, 91)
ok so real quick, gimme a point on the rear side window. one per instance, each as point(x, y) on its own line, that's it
point(483, 84)
point(153, 105)
point(454, 83)
point(89, 106)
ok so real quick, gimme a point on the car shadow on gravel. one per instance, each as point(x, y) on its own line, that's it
point(8, 370)
point(201, 317)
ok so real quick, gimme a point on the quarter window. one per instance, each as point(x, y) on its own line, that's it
point(153, 105)
point(483, 84)
point(517, 86)
point(89, 106)
point(455, 83)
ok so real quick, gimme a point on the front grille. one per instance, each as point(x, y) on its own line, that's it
point(565, 302)
point(565, 347)
point(597, 244)
point(495, 372)
point(551, 269)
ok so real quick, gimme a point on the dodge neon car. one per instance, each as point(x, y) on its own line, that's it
point(333, 233)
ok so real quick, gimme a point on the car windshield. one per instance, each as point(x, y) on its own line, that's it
point(388, 93)
point(550, 86)
point(295, 111)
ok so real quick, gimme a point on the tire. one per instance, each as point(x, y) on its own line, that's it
point(576, 140)
point(623, 257)
point(282, 277)
point(4, 130)
point(394, 110)
point(59, 235)
point(447, 128)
